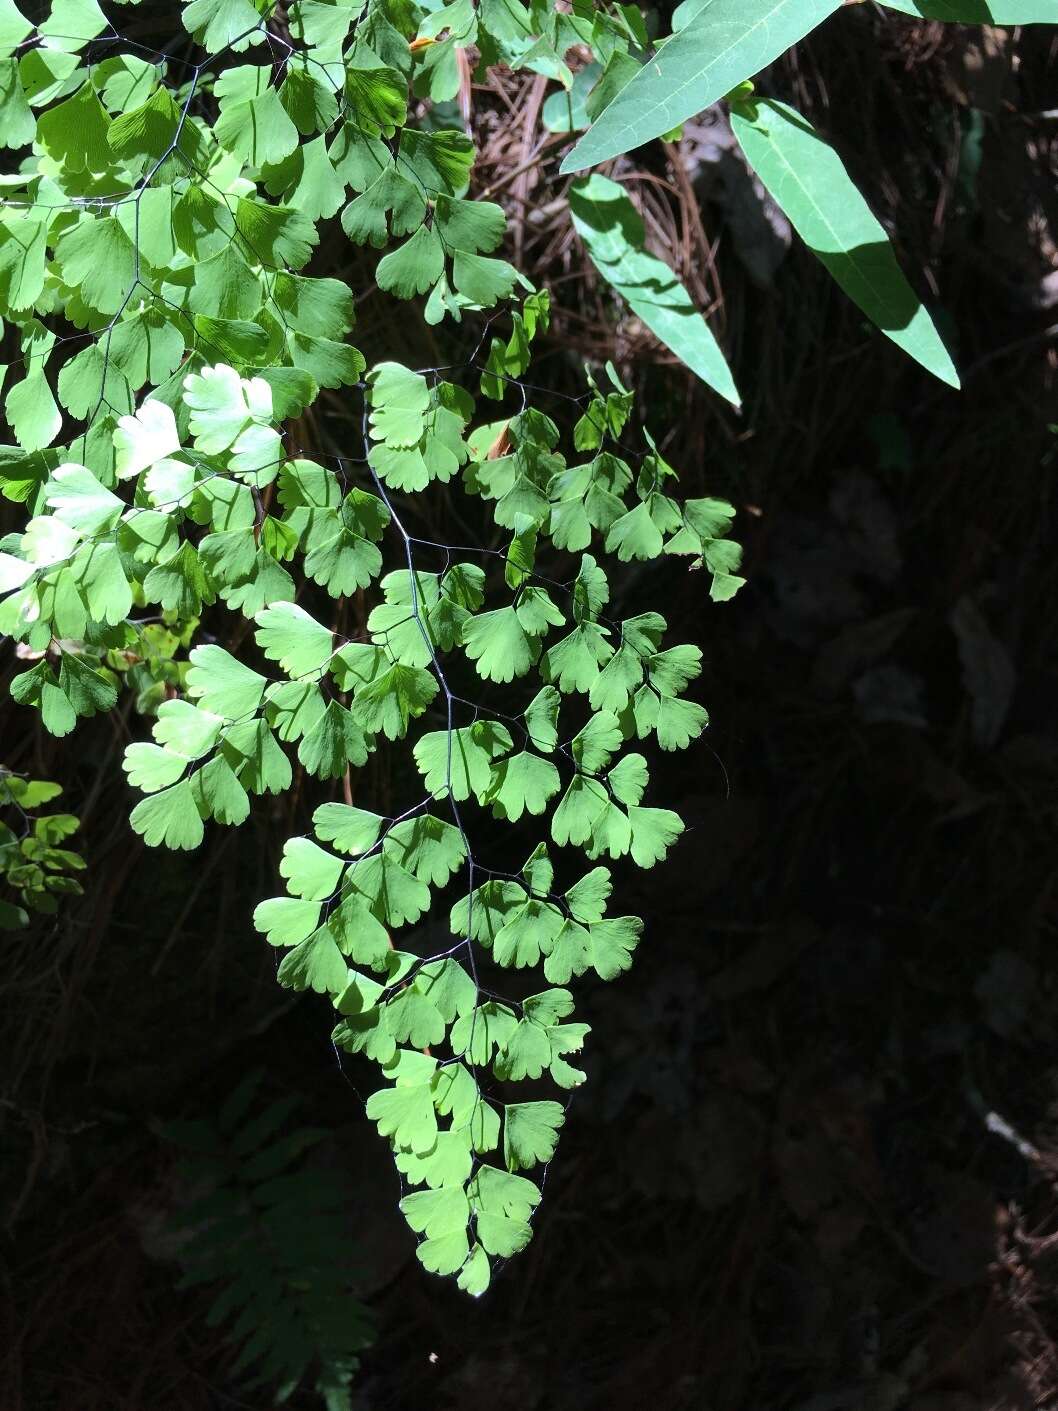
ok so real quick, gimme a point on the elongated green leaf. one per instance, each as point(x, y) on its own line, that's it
point(613, 235)
point(806, 177)
point(726, 42)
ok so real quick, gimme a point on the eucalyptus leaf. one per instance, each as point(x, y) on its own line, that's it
point(808, 180)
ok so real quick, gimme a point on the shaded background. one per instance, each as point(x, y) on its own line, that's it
point(815, 1164)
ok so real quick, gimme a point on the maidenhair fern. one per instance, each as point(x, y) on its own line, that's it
point(275, 606)
point(35, 870)
point(267, 1230)
point(579, 687)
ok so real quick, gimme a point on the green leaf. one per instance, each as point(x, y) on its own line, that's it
point(87, 689)
point(219, 794)
point(498, 645)
point(322, 306)
point(17, 124)
point(401, 623)
point(292, 708)
point(311, 103)
point(526, 1053)
point(169, 819)
point(259, 762)
point(186, 729)
point(315, 964)
point(460, 761)
point(618, 679)
point(474, 227)
point(537, 612)
point(437, 1212)
point(476, 1273)
point(541, 719)
point(611, 944)
point(393, 700)
point(394, 895)
point(724, 43)
point(527, 934)
point(359, 934)
point(399, 401)
point(414, 267)
point(351, 830)
point(590, 590)
point(146, 347)
point(146, 131)
point(225, 286)
point(530, 1133)
point(333, 743)
point(428, 847)
point(237, 339)
point(614, 235)
point(39, 687)
point(447, 1164)
point(671, 671)
point(593, 746)
point(87, 383)
point(635, 535)
point(523, 783)
point(32, 413)
point(343, 563)
point(444, 1255)
point(181, 584)
point(78, 499)
point(48, 74)
point(654, 830)
point(101, 579)
point(72, 24)
point(230, 555)
point(678, 722)
point(587, 898)
point(223, 684)
point(481, 280)
point(573, 663)
point(378, 98)
point(146, 438)
point(310, 871)
point(226, 412)
point(278, 236)
point(293, 390)
point(483, 1029)
point(287, 634)
point(412, 1019)
point(13, 918)
point(391, 205)
point(573, 952)
point(406, 1114)
point(449, 988)
point(503, 1205)
point(75, 132)
point(330, 363)
point(538, 872)
point(150, 768)
point(575, 816)
point(223, 24)
point(441, 161)
point(14, 27)
point(806, 177)
point(23, 257)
